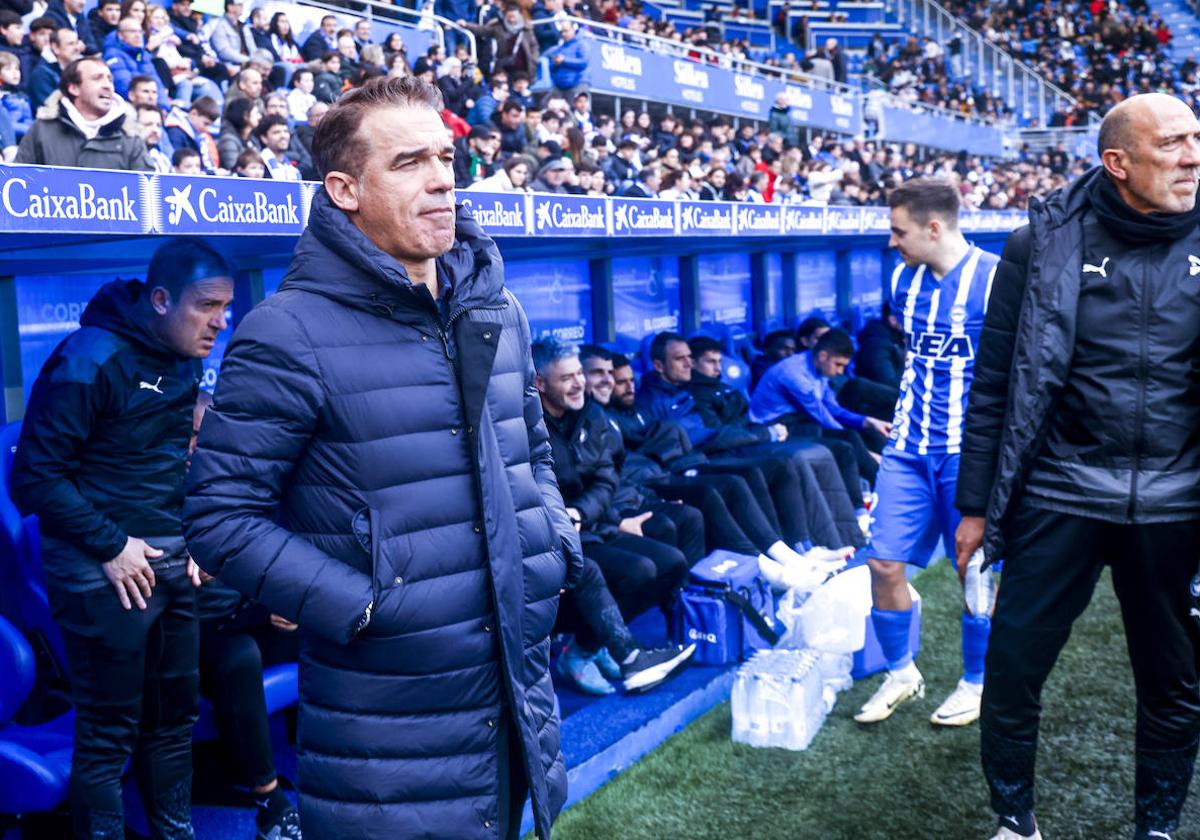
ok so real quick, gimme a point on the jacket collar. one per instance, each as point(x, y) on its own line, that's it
point(1064, 204)
point(335, 259)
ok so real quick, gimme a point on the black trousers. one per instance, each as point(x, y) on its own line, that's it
point(231, 666)
point(1050, 572)
point(641, 573)
point(733, 519)
point(873, 399)
point(589, 611)
point(678, 525)
point(134, 679)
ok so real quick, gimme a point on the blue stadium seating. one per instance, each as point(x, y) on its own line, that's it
point(23, 598)
point(35, 761)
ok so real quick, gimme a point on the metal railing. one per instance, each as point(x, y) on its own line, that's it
point(993, 69)
point(702, 55)
point(425, 19)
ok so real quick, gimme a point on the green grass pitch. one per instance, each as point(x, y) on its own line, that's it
point(903, 778)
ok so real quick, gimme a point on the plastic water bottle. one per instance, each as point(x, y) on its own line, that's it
point(740, 708)
point(759, 725)
point(979, 586)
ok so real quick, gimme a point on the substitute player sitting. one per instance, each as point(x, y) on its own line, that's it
point(941, 291)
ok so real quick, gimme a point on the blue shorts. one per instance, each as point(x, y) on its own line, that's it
point(915, 507)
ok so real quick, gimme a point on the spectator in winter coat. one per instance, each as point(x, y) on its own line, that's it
point(404, 513)
point(517, 49)
point(87, 126)
point(68, 14)
point(322, 41)
point(126, 55)
point(230, 39)
point(101, 462)
point(568, 63)
point(65, 47)
point(12, 99)
point(190, 130)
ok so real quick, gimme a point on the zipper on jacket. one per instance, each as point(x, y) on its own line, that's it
point(1139, 417)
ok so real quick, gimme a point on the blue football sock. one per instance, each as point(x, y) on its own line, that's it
point(891, 628)
point(975, 631)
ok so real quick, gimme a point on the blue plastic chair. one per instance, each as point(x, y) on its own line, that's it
point(35, 761)
point(23, 598)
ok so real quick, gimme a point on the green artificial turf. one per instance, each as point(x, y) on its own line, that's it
point(902, 778)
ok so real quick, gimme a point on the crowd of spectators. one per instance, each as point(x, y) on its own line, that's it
point(1100, 51)
point(164, 89)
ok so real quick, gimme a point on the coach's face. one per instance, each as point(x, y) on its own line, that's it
point(404, 199)
point(1162, 168)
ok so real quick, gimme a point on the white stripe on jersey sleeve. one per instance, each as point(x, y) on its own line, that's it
point(904, 406)
point(958, 367)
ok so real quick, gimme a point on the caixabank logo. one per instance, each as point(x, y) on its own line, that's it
point(42, 200)
point(757, 219)
point(704, 217)
point(229, 205)
point(642, 218)
point(569, 216)
point(499, 215)
point(843, 220)
point(803, 220)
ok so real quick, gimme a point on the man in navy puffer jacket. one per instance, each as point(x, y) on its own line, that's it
point(375, 468)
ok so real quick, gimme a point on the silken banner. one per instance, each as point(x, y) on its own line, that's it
point(38, 199)
point(627, 70)
point(903, 125)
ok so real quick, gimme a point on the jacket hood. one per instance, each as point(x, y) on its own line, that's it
point(1065, 203)
point(119, 307)
point(336, 260)
point(699, 380)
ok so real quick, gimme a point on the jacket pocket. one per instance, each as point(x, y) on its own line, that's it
point(366, 528)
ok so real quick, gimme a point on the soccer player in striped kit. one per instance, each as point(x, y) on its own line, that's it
point(941, 293)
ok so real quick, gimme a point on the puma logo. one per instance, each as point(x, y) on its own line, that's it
point(1097, 269)
point(148, 387)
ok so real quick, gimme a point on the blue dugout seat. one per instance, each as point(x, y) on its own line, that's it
point(35, 761)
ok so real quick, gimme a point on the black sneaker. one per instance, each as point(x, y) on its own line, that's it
point(650, 667)
point(287, 827)
point(1147, 834)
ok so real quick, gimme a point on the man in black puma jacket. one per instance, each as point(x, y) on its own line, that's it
point(1082, 449)
point(101, 461)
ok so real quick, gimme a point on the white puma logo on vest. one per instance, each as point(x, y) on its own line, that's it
point(1097, 269)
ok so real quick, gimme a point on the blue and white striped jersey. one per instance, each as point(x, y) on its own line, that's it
point(942, 323)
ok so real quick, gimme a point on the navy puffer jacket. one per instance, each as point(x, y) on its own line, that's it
point(359, 452)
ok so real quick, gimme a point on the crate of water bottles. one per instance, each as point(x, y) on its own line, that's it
point(777, 699)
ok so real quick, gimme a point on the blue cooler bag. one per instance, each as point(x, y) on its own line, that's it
point(726, 609)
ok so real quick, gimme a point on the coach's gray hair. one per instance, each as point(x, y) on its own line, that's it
point(548, 350)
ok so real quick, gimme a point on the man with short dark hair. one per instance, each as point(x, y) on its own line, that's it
point(150, 120)
point(89, 129)
point(323, 40)
point(942, 287)
point(68, 14)
point(104, 18)
point(403, 513)
point(275, 137)
point(101, 462)
point(230, 39)
point(190, 130)
point(776, 346)
point(46, 77)
point(1081, 451)
point(474, 157)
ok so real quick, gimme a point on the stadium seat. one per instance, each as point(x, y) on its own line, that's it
point(35, 761)
point(23, 598)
